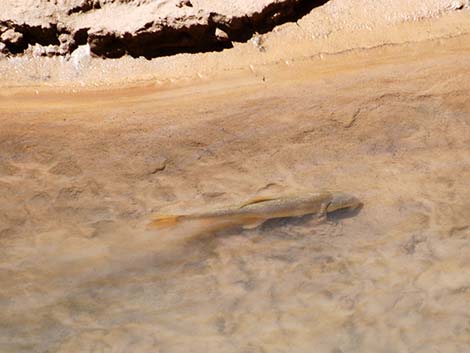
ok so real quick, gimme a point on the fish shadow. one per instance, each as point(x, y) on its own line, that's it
point(280, 226)
point(276, 223)
point(345, 213)
point(308, 220)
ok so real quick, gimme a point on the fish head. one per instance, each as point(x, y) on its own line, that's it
point(341, 201)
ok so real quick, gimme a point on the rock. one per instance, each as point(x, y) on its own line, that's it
point(184, 3)
point(11, 37)
point(459, 5)
point(39, 50)
point(13, 41)
point(36, 50)
point(257, 41)
point(81, 56)
point(83, 6)
point(64, 38)
point(51, 50)
point(148, 29)
point(221, 35)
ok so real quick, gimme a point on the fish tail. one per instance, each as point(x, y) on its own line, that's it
point(164, 221)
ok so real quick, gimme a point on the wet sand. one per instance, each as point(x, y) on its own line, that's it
point(82, 173)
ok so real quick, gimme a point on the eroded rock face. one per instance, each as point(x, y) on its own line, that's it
point(114, 28)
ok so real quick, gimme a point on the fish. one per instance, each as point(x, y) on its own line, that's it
point(254, 212)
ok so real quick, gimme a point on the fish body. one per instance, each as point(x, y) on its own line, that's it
point(257, 211)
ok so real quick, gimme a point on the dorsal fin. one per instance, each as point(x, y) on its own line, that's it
point(258, 199)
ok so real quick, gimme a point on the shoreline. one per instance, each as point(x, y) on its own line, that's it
point(27, 75)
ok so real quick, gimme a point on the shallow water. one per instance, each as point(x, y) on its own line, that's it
point(80, 180)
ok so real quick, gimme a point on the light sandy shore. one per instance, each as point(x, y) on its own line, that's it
point(338, 26)
point(383, 114)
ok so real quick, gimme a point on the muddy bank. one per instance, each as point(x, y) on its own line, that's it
point(140, 28)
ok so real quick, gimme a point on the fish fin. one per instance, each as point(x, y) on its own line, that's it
point(253, 224)
point(258, 199)
point(323, 213)
point(164, 221)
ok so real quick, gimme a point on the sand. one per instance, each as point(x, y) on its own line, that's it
point(381, 114)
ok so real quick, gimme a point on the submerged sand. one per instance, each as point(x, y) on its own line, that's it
point(82, 173)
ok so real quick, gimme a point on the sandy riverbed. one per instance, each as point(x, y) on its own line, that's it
point(83, 168)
